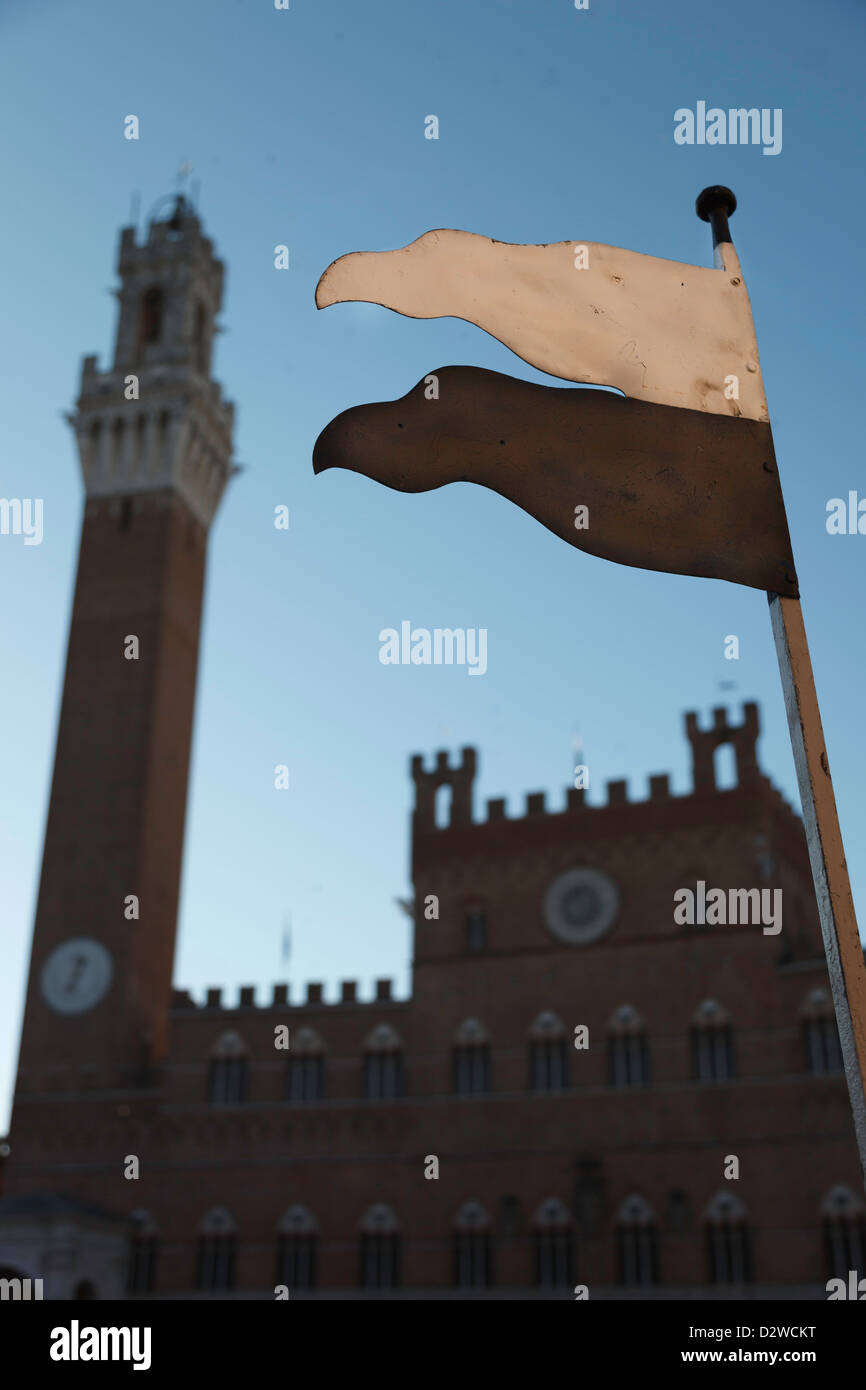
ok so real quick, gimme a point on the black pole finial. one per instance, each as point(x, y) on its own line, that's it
point(715, 205)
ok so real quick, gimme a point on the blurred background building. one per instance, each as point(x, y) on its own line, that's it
point(578, 1092)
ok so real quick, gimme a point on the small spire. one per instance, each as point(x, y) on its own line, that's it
point(180, 211)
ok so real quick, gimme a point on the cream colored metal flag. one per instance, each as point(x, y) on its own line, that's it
point(660, 331)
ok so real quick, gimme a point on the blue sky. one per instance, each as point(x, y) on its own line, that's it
point(306, 127)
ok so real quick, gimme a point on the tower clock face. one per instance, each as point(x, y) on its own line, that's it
point(580, 906)
point(76, 976)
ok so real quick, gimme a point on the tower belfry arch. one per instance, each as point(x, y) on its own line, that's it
point(742, 738)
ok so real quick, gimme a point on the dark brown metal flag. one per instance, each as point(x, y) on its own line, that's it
point(679, 476)
point(666, 489)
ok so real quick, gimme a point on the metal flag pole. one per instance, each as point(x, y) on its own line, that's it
point(842, 945)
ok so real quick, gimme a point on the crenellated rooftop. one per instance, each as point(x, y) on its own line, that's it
point(213, 1000)
point(459, 778)
point(575, 799)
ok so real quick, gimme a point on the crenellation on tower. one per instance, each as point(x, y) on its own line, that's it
point(704, 743)
point(742, 738)
point(459, 779)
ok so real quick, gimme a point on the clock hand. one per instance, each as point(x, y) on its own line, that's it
point(80, 963)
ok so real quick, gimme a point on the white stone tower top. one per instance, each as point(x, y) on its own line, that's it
point(156, 420)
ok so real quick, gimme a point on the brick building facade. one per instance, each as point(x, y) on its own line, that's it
point(579, 1091)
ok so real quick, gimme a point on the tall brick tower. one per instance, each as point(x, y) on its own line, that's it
point(155, 440)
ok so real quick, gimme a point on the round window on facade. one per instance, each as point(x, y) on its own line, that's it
point(580, 906)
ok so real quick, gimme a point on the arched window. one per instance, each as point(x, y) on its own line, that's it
point(476, 930)
point(383, 1064)
point(306, 1078)
point(227, 1076)
point(725, 767)
point(844, 1233)
point(638, 1246)
point(729, 1246)
point(139, 447)
point(94, 439)
point(297, 1242)
point(115, 458)
point(628, 1050)
point(199, 340)
point(820, 1033)
point(471, 1059)
point(161, 460)
point(217, 1249)
point(151, 315)
point(380, 1248)
point(142, 1252)
point(548, 1054)
point(443, 801)
point(472, 1247)
point(553, 1237)
point(712, 1043)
